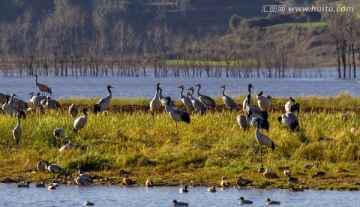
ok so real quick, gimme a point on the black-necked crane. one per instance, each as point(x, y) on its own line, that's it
point(80, 122)
point(175, 113)
point(264, 102)
point(54, 168)
point(186, 100)
point(256, 118)
point(198, 106)
point(67, 146)
point(41, 87)
point(36, 99)
point(164, 101)
point(248, 100)
point(103, 104)
point(41, 166)
point(262, 139)
point(292, 106)
point(271, 202)
point(243, 122)
point(290, 120)
point(17, 131)
point(58, 134)
point(208, 101)
point(243, 201)
point(229, 102)
point(8, 107)
point(155, 103)
point(50, 103)
point(73, 110)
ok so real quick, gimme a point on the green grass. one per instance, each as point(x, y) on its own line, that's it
point(204, 150)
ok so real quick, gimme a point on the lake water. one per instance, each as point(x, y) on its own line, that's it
point(130, 87)
point(118, 196)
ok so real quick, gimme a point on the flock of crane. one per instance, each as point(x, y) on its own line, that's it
point(256, 116)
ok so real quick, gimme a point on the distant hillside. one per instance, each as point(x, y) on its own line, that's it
point(181, 15)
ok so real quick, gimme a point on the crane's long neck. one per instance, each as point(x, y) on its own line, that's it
point(18, 121)
point(198, 91)
point(249, 89)
point(181, 93)
point(109, 90)
point(85, 113)
point(223, 93)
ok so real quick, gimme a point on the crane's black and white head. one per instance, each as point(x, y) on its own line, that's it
point(291, 99)
point(158, 86)
point(31, 94)
point(85, 111)
point(198, 85)
point(168, 100)
point(191, 89)
point(260, 94)
point(223, 86)
point(182, 87)
point(269, 97)
point(250, 86)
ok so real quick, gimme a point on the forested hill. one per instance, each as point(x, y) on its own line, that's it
point(180, 15)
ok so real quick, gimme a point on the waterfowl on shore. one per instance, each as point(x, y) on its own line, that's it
point(242, 181)
point(88, 203)
point(184, 189)
point(81, 121)
point(212, 189)
point(54, 168)
point(103, 104)
point(41, 87)
point(229, 102)
point(293, 189)
point(224, 183)
point(270, 202)
point(149, 183)
point(41, 166)
point(318, 175)
point(287, 172)
point(24, 185)
point(269, 175)
point(206, 100)
point(73, 110)
point(264, 102)
point(293, 180)
point(127, 181)
point(179, 204)
point(243, 201)
point(186, 100)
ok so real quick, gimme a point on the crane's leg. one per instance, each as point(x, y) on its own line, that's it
point(261, 155)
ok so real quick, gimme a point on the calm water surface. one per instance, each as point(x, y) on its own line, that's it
point(163, 196)
point(65, 87)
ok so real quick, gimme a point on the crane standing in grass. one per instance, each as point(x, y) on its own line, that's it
point(198, 106)
point(229, 102)
point(103, 104)
point(264, 103)
point(155, 103)
point(80, 122)
point(292, 106)
point(206, 100)
point(262, 139)
point(41, 87)
point(248, 102)
point(290, 120)
point(17, 131)
point(176, 114)
point(186, 100)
